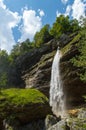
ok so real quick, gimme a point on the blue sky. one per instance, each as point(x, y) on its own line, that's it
point(21, 19)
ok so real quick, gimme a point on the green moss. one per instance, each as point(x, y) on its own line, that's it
point(69, 45)
point(20, 104)
point(21, 97)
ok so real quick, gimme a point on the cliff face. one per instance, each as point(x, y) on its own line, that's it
point(35, 68)
point(74, 88)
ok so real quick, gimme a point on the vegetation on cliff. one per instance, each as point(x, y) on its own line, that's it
point(80, 60)
point(28, 104)
point(62, 25)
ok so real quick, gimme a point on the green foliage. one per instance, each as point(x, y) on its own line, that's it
point(3, 79)
point(19, 49)
point(4, 68)
point(80, 60)
point(42, 36)
point(74, 25)
point(64, 25)
point(25, 46)
point(3, 58)
point(15, 52)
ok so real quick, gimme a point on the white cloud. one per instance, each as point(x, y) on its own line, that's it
point(58, 13)
point(68, 10)
point(31, 24)
point(2, 4)
point(41, 12)
point(64, 1)
point(8, 21)
point(78, 9)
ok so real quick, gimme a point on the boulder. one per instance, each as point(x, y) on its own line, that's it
point(23, 105)
point(51, 120)
point(59, 126)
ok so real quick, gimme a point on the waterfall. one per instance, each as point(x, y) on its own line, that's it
point(56, 88)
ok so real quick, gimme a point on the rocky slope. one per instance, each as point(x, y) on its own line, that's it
point(75, 121)
point(35, 68)
point(24, 110)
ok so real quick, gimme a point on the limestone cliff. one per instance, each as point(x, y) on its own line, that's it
point(35, 68)
point(18, 110)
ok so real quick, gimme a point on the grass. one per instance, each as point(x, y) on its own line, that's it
point(21, 96)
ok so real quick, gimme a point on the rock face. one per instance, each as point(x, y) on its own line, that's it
point(51, 120)
point(74, 88)
point(35, 68)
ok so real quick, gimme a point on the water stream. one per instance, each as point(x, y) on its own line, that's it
point(56, 88)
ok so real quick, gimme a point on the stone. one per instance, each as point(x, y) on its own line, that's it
point(59, 126)
point(71, 123)
point(51, 120)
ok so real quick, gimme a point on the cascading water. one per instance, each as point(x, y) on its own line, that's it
point(56, 88)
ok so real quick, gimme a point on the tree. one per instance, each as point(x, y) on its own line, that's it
point(25, 46)
point(80, 60)
point(3, 79)
point(4, 60)
point(42, 36)
point(60, 26)
point(4, 68)
point(20, 48)
point(63, 25)
point(74, 25)
point(15, 52)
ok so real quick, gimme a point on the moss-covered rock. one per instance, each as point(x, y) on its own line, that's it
point(24, 105)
